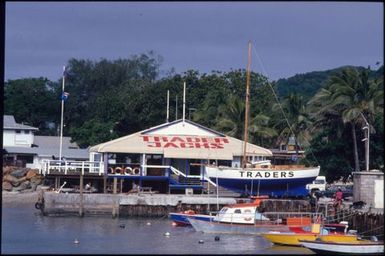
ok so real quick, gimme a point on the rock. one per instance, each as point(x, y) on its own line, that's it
point(31, 173)
point(10, 178)
point(7, 186)
point(36, 179)
point(19, 173)
point(8, 169)
point(23, 186)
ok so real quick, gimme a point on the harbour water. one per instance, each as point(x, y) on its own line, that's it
point(26, 231)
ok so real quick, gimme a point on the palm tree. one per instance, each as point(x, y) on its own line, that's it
point(348, 96)
point(231, 121)
point(295, 121)
point(231, 117)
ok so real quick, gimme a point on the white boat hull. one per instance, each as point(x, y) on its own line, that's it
point(359, 248)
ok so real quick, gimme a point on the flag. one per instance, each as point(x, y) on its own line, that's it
point(64, 96)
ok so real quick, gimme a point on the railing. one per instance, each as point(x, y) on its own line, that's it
point(178, 173)
point(98, 167)
point(71, 166)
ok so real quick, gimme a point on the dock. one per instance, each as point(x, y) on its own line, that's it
point(117, 205)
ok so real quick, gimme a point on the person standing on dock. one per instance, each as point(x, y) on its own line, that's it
point(338, 200)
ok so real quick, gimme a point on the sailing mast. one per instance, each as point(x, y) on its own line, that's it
point(245, 136)
point(62, 113)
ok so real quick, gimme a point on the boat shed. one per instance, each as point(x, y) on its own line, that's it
point(171, 155)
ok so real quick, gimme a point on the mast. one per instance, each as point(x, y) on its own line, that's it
point(184, 100)
point(168, 105)
point(62, 113)
point(245, 136)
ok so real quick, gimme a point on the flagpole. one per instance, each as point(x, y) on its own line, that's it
point(62, 114)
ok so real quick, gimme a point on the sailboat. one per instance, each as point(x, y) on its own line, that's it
point(265, 178)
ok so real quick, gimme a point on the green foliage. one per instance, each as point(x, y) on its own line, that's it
point(93, 132)
point(33, 101)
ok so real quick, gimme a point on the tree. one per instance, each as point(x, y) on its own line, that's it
point(295, 121)
point(348, 96)
point(33, 101)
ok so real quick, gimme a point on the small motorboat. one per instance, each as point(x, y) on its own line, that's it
point(180, 218)
point(358, 247)
point(317, 231)
point(248, 210)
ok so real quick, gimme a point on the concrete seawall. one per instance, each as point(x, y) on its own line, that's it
point(146, 205)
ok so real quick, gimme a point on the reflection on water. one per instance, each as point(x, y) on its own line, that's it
point(25, 230)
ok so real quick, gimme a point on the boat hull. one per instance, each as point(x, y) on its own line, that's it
point(181, 219)
point(272, 182)
point(294, 238)
point(231, 228)
point(358, 247)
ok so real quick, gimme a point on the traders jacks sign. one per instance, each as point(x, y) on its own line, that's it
point(185, 142)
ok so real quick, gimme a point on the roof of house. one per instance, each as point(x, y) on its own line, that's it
point(48, 146)
point(10, 124)
point(181, 139)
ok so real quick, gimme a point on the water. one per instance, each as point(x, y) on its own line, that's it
point(26, 231)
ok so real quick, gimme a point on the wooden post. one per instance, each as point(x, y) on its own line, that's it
point(115, 185)
point(104, 184)
point(81, 207)
point(114, 192)
point(56, 183)
point(121, 186)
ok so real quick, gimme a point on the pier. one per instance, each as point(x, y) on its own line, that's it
point(140, 204)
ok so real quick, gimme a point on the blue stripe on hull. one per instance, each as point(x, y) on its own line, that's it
point(276, 187)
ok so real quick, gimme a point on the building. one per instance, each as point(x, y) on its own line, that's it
point(170, 156)
point(22, 147)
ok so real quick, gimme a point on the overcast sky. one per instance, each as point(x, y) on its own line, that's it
point(288, 38)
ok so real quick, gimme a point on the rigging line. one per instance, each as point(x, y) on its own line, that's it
point(371, 230)
point(276, 98)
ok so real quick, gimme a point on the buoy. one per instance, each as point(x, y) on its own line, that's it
point(148, 223)
point(174, 224)
point(201, 241)
point(122, 226)
point(216, 238)
point(76, 241)
point(167, 234)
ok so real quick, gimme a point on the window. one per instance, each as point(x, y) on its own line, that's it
point(26, 132)
point(18, 131)
point(238, 211)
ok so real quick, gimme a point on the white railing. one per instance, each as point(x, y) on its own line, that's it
point(98, 167)
point(71, 166)
point(179, 173)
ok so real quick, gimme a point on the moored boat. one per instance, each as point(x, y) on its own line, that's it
point(288, 180)
point(294, 238)
point(326, 232)
point(358, 247)
point(236, 221)
point(180, 218)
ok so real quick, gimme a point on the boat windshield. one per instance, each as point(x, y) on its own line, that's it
point(223, 210)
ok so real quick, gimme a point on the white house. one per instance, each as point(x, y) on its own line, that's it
point(23, 148)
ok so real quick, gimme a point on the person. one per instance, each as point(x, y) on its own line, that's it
point(338, 199)
point(88, 186)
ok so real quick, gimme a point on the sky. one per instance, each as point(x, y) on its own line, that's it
point(287, 38)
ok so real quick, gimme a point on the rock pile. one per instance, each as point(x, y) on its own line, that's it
point(21, 179)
